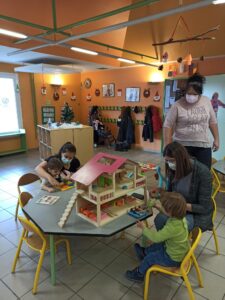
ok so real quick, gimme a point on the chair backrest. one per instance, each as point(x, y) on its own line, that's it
point(30, 227)
point(27, 179)
point(195, 238)
point(24, 198)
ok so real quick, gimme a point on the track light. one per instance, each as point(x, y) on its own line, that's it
point(160, 68)
point(13, 33)
point(126, 60)
point(84, 51)
point(218, 2)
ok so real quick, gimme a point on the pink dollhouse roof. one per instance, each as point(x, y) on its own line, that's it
point(94, 168)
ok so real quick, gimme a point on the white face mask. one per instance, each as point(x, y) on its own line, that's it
point(191, 99)
point(172, 165)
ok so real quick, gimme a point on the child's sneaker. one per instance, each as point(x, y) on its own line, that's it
point(135, 275)
point(139, 251)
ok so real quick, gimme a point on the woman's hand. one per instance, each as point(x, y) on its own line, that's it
point(141, 225)
point(65, 175)
point(216, 145)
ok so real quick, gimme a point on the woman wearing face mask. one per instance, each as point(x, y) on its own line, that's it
point(193, 181)
point(70, 163)
point(189, 121)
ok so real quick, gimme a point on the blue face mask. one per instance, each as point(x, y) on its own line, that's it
point(65, 161)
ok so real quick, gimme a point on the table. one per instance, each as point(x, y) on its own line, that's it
point(218, 167)
point(46, 218)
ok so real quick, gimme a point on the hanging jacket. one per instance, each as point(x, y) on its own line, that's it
point(147, 132)
point(156, 119)
point(126, 130)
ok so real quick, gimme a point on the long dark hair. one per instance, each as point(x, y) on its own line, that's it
point(67, 147)
point(196, 82)
point(182, 158)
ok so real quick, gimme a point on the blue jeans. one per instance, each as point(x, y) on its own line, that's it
point(161, 219)
point(156, 255)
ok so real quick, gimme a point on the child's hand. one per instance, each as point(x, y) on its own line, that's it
point(51, 190)
point(141, 225)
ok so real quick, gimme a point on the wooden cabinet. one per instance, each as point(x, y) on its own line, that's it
point(52, 139)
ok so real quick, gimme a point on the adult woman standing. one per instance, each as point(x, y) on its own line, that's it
point(193, 181)
point(189, 120)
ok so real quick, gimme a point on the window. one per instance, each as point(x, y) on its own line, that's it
point(10, 110)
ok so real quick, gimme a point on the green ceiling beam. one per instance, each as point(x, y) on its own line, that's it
point(117, 48)
point(18, 21)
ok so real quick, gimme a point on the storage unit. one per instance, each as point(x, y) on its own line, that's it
point(52, 139)
point(105, 184)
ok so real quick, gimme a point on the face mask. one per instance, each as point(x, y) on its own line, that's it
point(191, 99)
point(65, 160)
point(172, 165)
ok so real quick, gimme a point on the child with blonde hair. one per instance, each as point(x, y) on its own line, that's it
point(170, 244)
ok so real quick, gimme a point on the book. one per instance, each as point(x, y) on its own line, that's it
point(49, 200)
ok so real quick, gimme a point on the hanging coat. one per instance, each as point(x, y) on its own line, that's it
point(126, 130)
point(156, 119)
point(147, 132)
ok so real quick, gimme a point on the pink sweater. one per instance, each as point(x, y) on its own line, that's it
point(190, 122)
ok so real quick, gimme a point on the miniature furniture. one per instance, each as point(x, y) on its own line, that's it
point(183, 270)
point(52, 139)
point(25, 180)
point(105, 181)
point(46, 217)
point(37, 241)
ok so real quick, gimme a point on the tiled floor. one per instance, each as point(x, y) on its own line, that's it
point(99, 264)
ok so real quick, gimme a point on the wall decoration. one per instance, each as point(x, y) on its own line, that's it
point(133, 94)
point(64, 91)
point(47, 112)
point(156, 97)
point(108, 90)
point(97, 92)
point(146, 93)
point(73, 97)
point(88, 97)
point(119, 92)
point(165, 57)
point(56, 95)
point(87, 83)
point(43, 90)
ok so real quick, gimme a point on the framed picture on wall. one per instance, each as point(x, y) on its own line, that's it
point(108, 90)
point(133, 94)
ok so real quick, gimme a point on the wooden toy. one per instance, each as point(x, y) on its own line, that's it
point(68, 210)
point(105, 182)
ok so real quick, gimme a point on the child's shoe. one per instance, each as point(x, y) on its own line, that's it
point(135, 275)
point(140, 251)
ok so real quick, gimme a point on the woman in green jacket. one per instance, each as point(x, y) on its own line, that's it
point(193, 180)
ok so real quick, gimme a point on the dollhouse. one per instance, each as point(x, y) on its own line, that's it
point(105, 184)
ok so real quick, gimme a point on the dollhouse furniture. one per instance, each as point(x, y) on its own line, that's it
point(46, 218)
point(106, 180)
point(52, 139)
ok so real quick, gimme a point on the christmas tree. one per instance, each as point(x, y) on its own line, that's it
point(67, 114)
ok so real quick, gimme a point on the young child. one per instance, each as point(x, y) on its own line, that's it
point(54, 167)
point(170, 244)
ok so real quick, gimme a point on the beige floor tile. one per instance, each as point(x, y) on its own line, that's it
point(4, 215)
point(130, 295)
point(102, 287)
point(75, 297)
point(182, 294)
point(210, 261)
point(77, 275)
point(122, 242)
point(5, 245)
point(221, 230)
point(12, 201)
point(5, 293)
point(211, 245)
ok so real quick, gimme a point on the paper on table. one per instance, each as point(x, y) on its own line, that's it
point(49, 200)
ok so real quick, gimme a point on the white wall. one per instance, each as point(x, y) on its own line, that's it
point(217, 84)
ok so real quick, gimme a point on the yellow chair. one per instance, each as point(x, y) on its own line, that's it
point(37, 241)
point(25, 180)
point(214, 230)
point(184, 268)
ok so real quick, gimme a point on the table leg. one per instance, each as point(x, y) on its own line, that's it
point(52, 259)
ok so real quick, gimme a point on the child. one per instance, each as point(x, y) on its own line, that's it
point(54, 167)
point(170, 243)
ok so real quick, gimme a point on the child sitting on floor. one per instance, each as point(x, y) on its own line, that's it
point(54, 167)
point(170, 244)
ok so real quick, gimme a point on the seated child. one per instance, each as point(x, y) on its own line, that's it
point(54, 167)
point(170, 244)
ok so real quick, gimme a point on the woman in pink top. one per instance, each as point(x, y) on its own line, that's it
point(189, 121)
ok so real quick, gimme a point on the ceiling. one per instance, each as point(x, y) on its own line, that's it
point(119, 28)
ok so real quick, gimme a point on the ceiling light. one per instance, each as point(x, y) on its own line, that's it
point(126, 60)
point(12, 33)
point(218, 1)
point(84, 51)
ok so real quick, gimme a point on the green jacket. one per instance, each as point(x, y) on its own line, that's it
point(175, 236)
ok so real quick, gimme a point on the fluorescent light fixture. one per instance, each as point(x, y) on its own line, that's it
point(84, 51)
point(218, 2)
point(12, 33)
point(126, 60)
